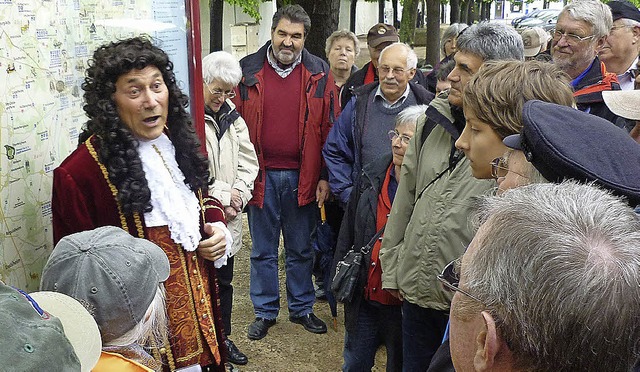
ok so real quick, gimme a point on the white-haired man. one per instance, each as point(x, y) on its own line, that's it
point(581, 32)
point(620, 50)
point(360, 134)
point(570, 255)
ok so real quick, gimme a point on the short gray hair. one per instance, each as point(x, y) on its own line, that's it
point(221, 66)
point(491, 41)
point(594, 12)
point(412, 58)
point(342, 34)
point(558, 267)
point(410, 115)
point(451, 33)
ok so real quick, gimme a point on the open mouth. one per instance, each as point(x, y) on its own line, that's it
point(151, 119)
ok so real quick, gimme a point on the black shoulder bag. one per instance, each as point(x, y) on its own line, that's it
point(344, 282)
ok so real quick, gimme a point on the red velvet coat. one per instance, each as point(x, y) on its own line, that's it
point(84, 199)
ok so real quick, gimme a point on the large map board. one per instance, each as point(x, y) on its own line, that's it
point(44, 49)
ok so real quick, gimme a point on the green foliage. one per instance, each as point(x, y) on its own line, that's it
point(250, 7)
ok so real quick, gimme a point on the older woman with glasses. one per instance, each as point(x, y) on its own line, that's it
point(233, 166)
point(374, 314)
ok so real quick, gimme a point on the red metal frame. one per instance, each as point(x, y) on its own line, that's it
point(194, 48)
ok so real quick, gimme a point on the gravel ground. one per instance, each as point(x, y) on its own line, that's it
point(287, 347)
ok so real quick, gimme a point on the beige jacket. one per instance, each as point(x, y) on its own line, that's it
point(233, 163)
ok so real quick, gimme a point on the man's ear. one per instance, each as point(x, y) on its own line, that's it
point(636, 34)
point(487, 344)
point(412, 73)
point(600, 44)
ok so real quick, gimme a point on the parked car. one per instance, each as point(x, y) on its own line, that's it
point(516, 21)
point(546, 19)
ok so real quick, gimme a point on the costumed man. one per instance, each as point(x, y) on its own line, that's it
point(139, 167)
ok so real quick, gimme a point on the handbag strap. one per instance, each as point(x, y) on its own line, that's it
point(457, 156)
point(367, 248)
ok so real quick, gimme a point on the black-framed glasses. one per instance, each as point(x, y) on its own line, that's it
point(218, 93)
point(450, 279)
point(393, 134)
point(570, 37)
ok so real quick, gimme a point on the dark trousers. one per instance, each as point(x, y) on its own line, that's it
point(225, 289)
point(422, 333)
point(376, 323)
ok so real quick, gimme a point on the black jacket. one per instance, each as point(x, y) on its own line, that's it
point(593, 102)
point(359, 226)
point(357, 80)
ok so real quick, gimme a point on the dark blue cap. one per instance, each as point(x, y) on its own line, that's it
point(624, 9)
point(562, 142)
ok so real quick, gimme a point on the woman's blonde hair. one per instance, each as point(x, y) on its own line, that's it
point(498, 91)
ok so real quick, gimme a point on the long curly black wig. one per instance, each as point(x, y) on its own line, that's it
point(118, 147)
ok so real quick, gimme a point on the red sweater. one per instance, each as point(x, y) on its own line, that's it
point(280, 121)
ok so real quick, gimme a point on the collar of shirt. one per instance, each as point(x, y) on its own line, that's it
point(274, 63)
point(388, 104)
point(576, 81)
point(626, 79)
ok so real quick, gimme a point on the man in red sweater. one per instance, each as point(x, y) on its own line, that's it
point(286, 99)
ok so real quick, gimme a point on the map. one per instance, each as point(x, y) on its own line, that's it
point(44, 49)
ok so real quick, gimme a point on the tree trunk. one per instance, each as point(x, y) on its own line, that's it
point(485, 13)
point(352, 15)
point(324, 16)
point(433, 32)
point(395, 23)
point(408, 22)
point(381, 11)
point(463, 13)
point(454, 13)
point(471, 14)
point(215, 24)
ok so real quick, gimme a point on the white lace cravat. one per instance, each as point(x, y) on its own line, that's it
point(174, 204)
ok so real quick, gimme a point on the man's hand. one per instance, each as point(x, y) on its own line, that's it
point(635, 132)
point(230, 213)
point(214, 246)
point(395, 293)
point(322, 192)
point(236, 200)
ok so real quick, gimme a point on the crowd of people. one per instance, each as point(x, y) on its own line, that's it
point(496, 194)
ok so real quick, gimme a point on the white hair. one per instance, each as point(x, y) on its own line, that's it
point(221, 66)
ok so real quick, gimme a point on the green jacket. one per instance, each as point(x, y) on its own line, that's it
point(428, 229)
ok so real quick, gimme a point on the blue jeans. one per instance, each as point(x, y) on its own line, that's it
point(280, 212)
point(376, 323)
point(422, 332)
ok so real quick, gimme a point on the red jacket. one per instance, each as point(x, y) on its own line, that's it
point(316, 118)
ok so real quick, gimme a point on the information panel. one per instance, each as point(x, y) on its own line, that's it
point(44, 48)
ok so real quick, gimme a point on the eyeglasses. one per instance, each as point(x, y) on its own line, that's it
point(569, 37)
point(450, 279)
point(393, 134)
point(218, 93)
point(500, 168)
point(618, 27)
point(384, 70)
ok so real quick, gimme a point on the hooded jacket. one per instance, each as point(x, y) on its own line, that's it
point(428, 226)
